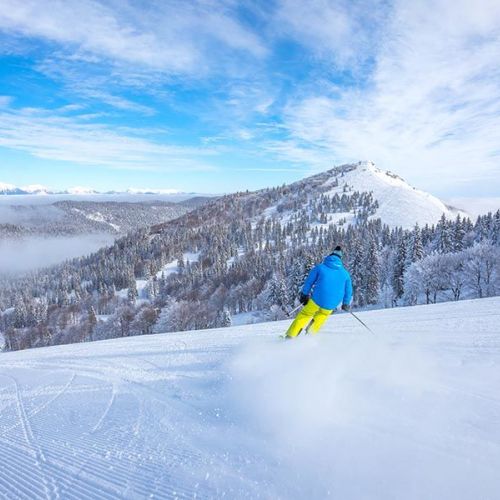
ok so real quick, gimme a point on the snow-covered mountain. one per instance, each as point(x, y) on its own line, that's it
point(80, 190)
point(152, 191)
point(35, 189)
point(399, 204)
point(10, 189)
point(409, 413)
point(38, 189)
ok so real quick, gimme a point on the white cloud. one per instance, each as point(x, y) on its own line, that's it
point(170, 36)
point(341, 31)
point(431, 108)
point(75, 139)
point(115, 52)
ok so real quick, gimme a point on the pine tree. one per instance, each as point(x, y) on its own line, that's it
point(278, 293)
point(417, 248)
point(443, 237)
point(399, 268)
point(92, 320)
point(226, 318)
point(20, 312)
point(297, 278)
point(373, 274)
point(357, 269)
point(495, 238)
point(458, 235)
point(132, 289)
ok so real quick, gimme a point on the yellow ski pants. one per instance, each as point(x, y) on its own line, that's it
point(311, 311)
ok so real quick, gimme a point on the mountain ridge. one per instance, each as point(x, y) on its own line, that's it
point(7, 189)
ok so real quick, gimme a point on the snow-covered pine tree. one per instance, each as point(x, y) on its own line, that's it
point(443, 238)
point(278, 292)
point(297, 278)
point(357, 268)
point(458, 235)
point(400, 267)
point(417, 248)
point(20, 312)
point(373, 274)
point(132, 289)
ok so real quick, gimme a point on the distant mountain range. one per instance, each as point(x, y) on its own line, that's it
point(38, 189)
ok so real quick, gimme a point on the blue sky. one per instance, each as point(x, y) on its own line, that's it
point(218, 96)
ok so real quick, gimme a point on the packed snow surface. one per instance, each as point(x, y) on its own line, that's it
point(411, 412)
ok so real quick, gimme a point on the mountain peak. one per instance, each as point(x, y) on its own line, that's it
point(35, 189)
point(367, 164)
point(80, 190)
point(399, 203)
point(38, 189)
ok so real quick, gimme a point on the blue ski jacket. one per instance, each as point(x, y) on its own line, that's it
point(330, 283)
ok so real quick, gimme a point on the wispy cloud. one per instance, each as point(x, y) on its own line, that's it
point(172, 36)
point(430, 109)
point(341, 32)
point(101, 49)
point(74, 139)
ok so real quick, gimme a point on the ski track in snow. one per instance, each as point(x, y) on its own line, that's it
point(412, 412)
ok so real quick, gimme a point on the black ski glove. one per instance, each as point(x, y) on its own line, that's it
point(303, 298)
point(346, 307)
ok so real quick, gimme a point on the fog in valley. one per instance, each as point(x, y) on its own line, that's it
point(26, 254)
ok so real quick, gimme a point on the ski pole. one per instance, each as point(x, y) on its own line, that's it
point(371, 331)
point(295, 309)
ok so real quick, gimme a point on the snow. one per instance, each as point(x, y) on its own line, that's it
point(172, 267)
point(122, 293)
point(246, 318)
point(399, 203)
point(142, 296)
point(80, 190)
point(153, 191)
point(36, 189)
point(411, 412)
point(6, 187)
point(98, 217)
point(30, 193)
point(141, 288)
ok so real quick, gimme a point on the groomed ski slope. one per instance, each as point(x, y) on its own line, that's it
point(411, 413)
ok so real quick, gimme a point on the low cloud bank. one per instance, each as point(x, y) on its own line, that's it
point(26, 254)
point(30, 215)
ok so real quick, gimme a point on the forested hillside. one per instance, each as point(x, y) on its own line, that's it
point(249, 253)
point(70, 217)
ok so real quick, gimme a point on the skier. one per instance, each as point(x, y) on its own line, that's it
point(331, 285)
